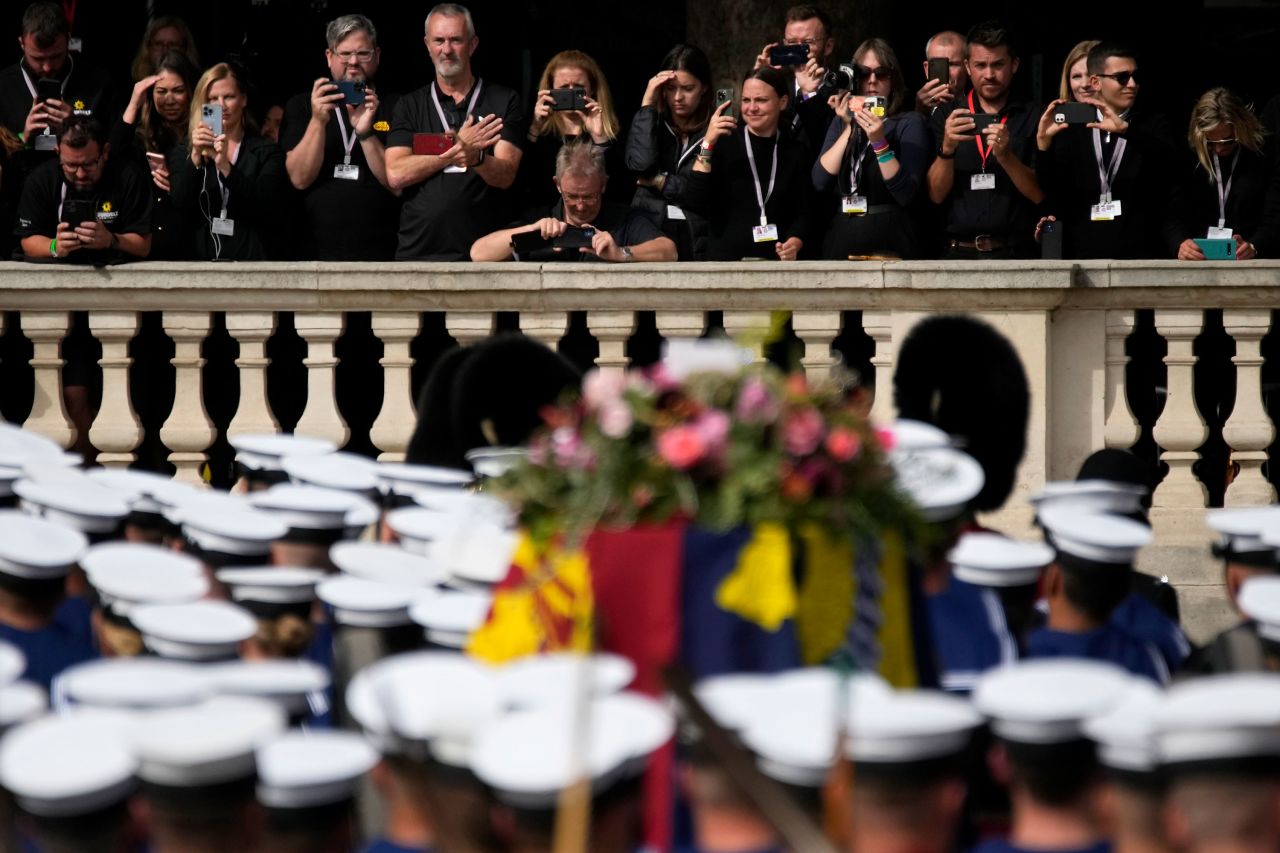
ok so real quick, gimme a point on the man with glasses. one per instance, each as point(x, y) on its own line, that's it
point(1114, 184)
point(810, 26)
point(947, 45)
point(985, 180)
point(334, 152)
point(617, 233)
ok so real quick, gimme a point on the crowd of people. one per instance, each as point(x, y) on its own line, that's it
point(809, 156)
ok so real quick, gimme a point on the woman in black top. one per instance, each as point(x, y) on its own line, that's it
point(665, 135)
point(872, 165)
point(752, 182)
point(228, 187)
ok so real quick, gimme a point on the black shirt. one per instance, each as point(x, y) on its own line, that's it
point(86, 90)
point(628, 226)
point(121, 199)
point(1003, 211)
point(1249, 181)
point(653, 146)
point(343, 220)
point(442, 216)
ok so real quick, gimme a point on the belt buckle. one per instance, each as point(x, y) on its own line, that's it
point(984, 243)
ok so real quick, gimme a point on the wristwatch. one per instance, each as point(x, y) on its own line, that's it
point(627, 254)
point(942, 155)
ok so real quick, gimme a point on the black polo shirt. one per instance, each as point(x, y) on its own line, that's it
point(442, 216)
point(1003, 211)
point(122, 200)
point(85, 88)
point(628, 225)
point(344, 220)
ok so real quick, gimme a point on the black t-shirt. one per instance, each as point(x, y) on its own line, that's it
point(122, 202)
point(628, 225)
point(442, 216)
point(343, 220)
point(85, 88)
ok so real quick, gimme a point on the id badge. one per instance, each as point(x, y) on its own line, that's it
point(765, 233)
point(983, 181)
point(75, 45)
point(1105, 211)
point(1220, 234)
point(346, 172)
point(224, 227)
point(674, 212)
point(455, 170)
point(855, 205)
point(46, 142)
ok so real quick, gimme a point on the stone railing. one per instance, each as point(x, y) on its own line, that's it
point(1070, 322)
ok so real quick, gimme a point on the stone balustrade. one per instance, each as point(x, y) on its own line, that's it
point(1070, 322)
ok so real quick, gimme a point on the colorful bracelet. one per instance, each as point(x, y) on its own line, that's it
point(53, 247)
point(880, 149)
point(884, 158)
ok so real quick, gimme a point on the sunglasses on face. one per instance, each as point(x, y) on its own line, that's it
point(1123, 77)
point(882, 72)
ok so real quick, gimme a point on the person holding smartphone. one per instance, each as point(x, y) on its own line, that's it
point(872, 165)
point(665, 135)
point(942, 49)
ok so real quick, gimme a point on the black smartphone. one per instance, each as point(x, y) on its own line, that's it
point(572, 98)
point(981, 121)
point(78, 210)
point(526, 243)
point(48, 89)
point(725, 96)
point(575, 238)
point(1051, 241)
point(1074, 112)
point(352, 91)
point(789, 54)
point(940, 70)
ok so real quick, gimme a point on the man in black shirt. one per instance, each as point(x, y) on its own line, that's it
point(986, 180)
point(334, 153)
point(809, 114)
point(453, 196)
point(622, 233)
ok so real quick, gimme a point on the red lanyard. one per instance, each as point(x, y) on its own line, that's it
point(69, 9)
point(983, 151)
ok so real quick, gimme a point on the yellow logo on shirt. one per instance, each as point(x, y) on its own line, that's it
point(381, 126)
point(106, 207)
point(79, 104)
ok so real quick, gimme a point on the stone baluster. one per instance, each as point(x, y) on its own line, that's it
point(612, 329)
point(548, 327)
point(321, 417)
point(749, 329)
point(116, 430)
point(390, 432)
point(680, 324)
point(817, 330)
point(46, 329)
point(1249, 432)
point(1180, 429)
point(469, 327)
point(187, 432)
point(1120, 427)
point(878, 325)
point(251, 329)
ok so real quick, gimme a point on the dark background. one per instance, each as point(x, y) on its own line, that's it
point(1184, 47)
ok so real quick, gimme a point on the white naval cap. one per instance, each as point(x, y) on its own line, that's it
point(132, 683)
point(1094, 537)
point(1245, 533)
point(910, 435)
point(404, 480)
point(940, 481)
point(735, 699)
point(495, 461)
point(196, 631)
point(205, 744)
point(20, 448)
point(904, 727)
point(55, 469)
point(364, 603)
point(264, 452)
point(551, 677)
point(417, 528)
point(1220, 720)
point(308, 509)
point(346, 472)
point(1046, 701)
point(1090, 496)
point(731, 698)
point(296, 685)
point(683, 357)
point(991, 560)
point(239, 533)
point(69, 766)
point(271, 585)
point(1126, 733)
point(309, 769)
point(144, 491)
point(477, 552)
point(37, 549)
point(529, 757)
point(21, 701)
point(380, 561)
point(198, 502)
point(450, 616)
point(12, 663)
point(89, 509)
point(1259, 599)
point(128, 574)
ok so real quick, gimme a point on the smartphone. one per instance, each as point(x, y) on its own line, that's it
point(725, 96)
point(48, 89)
point(981, 121)
point(875, 104)
point(155, 160)
point(566, 100)
point(211, 117)
point(940, 70)
point(352, 91)
point(1051, 241)
point(1074, 113)
point(1217, 250)
point(78, 210)
point(575, 238)
point(789, 54)
point(432, 143)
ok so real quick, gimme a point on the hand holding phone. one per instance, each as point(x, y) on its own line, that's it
point(725, 96)
point(940, 70)
point(353, 91)
point(785, 55)
point(211, 117)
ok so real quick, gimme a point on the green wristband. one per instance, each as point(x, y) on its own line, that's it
point(53, 247)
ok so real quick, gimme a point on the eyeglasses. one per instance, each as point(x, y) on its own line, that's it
point(74, 168)
point(882, 72)
point(1227, 141)
point(810, 42)
point(580, 199)
point(1123, 77)
point(357, 55)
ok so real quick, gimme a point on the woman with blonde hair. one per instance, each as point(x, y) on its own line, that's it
point(165, 34)
point(551, 128)
point(1074, 85)
point(1229, 188)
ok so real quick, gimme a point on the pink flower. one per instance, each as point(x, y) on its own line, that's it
point(615, 419)
point(802, 431)
point(756, 404)
point(885, 437)
point(843, 444)
point(681, 447)
point(566, 445)
point(600, 388)
point(662, 379)
point(713, 426)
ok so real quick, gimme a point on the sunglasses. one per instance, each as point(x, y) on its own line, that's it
point(1123, 77)
point(1221, 141)
point(882, 72)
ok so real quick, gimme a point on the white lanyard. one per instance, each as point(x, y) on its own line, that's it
point(685, 154)
point(1107, 175)
point(762, 198)
point(226, 193)
point(62, 201)
point(445, 127)
point(31, 87)
point(1224, 191)
point(855, 173)
point(348, 142)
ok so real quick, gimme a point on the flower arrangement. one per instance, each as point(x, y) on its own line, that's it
point(720, 448)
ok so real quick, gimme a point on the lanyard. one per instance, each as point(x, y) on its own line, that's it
point(69, 9)
point(348, 141)
point(684, 155)
point(62, 201)
point(31, 87)
point(983, 151)
point(1224, 191)
point(1107, 174)
point(445, 127)
point(860, 154)
point(226, 193)
point(762, 198)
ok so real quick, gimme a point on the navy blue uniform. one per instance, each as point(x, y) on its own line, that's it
point(66, 641)
point(1138, 616)
point(1107, 643)
point(970, 634)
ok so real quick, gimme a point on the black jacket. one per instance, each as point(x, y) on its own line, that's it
point(653, 147)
